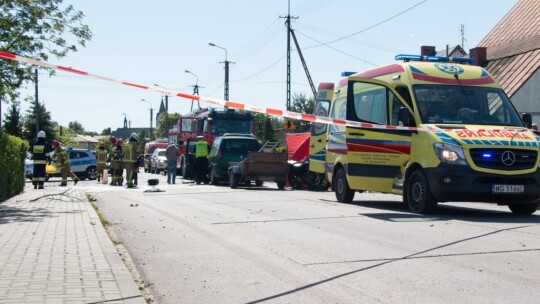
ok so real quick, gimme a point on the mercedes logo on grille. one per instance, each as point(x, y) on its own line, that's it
point(508, 158)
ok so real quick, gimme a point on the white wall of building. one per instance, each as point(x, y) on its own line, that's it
point(527, 98)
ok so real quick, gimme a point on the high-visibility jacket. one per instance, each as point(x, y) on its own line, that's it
point(61, 156)
point(117, 155)
point(101, 156)
point(40, 151)
point(201, 149)
point(130, 152)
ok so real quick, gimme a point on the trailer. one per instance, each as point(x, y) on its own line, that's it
point(260, 166)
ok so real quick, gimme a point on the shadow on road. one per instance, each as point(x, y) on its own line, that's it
point(445, 212)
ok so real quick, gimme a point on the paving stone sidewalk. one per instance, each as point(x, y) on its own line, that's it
point(54, 249)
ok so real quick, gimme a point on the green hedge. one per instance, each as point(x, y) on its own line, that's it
point(12, 155)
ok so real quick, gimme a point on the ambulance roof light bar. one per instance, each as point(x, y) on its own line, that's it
point(407, 57)
point(346, 74)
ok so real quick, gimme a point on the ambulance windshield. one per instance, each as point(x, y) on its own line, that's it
point(455, 104)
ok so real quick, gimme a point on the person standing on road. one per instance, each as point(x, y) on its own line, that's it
point(130, 158)
point(201, 159)
point(40, 154)
point(115, 159)
point(62, 158)
point(101, 157)
point(172, 153)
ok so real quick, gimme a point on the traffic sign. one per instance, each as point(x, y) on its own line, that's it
point(288, 125)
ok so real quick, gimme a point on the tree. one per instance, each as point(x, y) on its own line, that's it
point(76, 127)
point(45, 122)
point(268, 130)
point(12, 122)
point(106, 131)
point(36, 29)
point(302, 104)
point(165, 122)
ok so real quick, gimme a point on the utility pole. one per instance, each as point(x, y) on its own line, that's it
point(37, 103)
point(195, 89)
point(226, 70)
point(463, 36)
point(313, 90)
point(288, 24)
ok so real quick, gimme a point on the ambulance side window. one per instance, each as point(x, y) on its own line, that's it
point(370, 104)
point(396, 107)
point(339, 111)
point(321, 109)
point(375, 103)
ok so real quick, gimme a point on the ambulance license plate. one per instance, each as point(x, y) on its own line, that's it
point(508, 189)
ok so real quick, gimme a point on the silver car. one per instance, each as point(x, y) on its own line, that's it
point(158, 161)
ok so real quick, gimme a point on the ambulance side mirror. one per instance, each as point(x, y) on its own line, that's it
point(405, 118)
point(527, 119)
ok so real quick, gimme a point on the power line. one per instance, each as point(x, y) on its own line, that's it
point(338, 50)
point(328, 33)
point(369, 27)
point(260, 72)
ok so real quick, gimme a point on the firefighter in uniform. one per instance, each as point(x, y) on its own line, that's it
point(40, 154)
point(101, 157)
point(201, 159)
point(130, 159)
point(116, 159)
point(62, 158)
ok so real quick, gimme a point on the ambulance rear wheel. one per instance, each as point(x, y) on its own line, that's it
point(418, 194)
point(344, 194)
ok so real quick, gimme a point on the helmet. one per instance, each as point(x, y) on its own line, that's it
point(133, 135)
point(55, 143)
point(102, 144)
point(41, 134)
point(113, 140)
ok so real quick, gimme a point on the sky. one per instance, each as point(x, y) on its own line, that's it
point(155, 42)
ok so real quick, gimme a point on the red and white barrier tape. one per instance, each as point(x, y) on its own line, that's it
point(232, 104)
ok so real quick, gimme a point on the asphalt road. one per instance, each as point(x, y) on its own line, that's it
point(213, 244)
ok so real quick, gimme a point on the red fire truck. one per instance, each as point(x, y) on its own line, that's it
point(209, 123)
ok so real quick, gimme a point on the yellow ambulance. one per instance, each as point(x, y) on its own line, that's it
point(433, 130)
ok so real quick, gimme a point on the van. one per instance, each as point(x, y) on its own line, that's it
point(432, 131)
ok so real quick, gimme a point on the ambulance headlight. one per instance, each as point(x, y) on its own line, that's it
point(450, 154)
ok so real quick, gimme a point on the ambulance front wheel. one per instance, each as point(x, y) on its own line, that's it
point(344, 194)
point(418, 193)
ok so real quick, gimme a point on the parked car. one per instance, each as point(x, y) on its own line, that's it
point(149, 148)
point(230, 147)
point(82, 161)
point(158, 161)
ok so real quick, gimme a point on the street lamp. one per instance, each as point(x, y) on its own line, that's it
point(166, 98)
point(151, 113)
point(195, 89)
point(226, 70)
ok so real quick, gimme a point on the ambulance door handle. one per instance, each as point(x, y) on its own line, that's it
point(357, 134)
point(319, 140)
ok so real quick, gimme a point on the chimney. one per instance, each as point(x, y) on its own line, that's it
point(427, 50)
point(479, 54)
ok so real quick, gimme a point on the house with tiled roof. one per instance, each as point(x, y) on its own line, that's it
point(513, 56)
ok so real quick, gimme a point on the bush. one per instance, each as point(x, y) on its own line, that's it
point(12, 155)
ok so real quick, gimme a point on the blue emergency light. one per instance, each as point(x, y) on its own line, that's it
point(346, 74)
point(486, 155)
point(408, 57)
